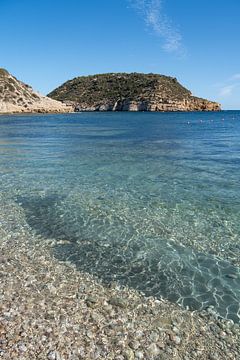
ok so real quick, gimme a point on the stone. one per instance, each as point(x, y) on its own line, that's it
point(175, 330)
point(214, 356)
point(53, 355)
point(91, 299)
point(153, 350)
point(22, 347)
point(2, 329)
point(161, 344)
point(117, 301)
point(134, 344)
point(129, 354)
point(176, 339)
point(139, 355)
point(138, 334)
point(154, 337)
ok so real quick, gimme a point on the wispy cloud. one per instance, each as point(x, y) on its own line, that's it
point(235, 77)
point(155, 18)
point(228, 87)
point(226, 90)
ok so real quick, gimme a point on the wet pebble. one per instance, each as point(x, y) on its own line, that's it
point(176, 339)
point(53, 355)
point(213, 356)
point(129, 354)
point(153, 350)
point(119, 302)
point(175, 330)
point(154, 337)
point(139, 355)
point(134, 344)
point(22, 347)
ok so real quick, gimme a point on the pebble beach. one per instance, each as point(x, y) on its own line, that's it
point(51, 311)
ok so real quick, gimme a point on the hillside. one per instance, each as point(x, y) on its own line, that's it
point(130, 92)
point(17, 97)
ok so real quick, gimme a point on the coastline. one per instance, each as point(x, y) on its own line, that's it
point(49, 310)
point(37, 113)
point(109, 112)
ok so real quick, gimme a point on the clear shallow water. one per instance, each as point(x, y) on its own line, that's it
point(148, 200)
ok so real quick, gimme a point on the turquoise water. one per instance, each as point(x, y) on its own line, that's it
point(149, 200)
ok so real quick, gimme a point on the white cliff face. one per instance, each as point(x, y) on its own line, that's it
point(191, 104)
point(17, 97)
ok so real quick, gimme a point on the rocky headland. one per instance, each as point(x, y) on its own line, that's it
point(130, 92)
point(17, 97)
point(103, 92)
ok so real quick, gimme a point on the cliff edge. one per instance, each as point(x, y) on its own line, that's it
point(130, 92)
point(17, 97)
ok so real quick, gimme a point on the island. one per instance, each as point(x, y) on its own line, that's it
point(129, 92)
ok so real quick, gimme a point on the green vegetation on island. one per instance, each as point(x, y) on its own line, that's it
point(129, 92)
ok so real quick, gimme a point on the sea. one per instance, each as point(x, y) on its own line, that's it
point(150, 201)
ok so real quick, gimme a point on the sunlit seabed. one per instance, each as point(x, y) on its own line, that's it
point(148, 200)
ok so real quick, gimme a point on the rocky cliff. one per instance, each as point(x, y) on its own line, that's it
point(17, 97)
point(130, 92)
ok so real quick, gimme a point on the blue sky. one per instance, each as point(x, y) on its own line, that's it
point(47, 42)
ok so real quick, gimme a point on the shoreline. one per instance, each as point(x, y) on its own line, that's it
point(109, 112)
point(49, 310)
point(37, 113)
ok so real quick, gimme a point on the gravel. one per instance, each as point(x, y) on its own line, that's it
point(49, 310)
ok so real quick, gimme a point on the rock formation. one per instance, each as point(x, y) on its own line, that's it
point(130, 92)
point(17, 97)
